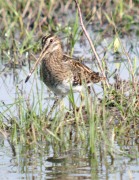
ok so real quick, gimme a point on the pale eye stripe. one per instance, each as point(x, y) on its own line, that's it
point(45, 38)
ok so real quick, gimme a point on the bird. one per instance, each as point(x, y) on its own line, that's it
point(60, 72)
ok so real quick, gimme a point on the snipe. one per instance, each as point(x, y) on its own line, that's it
point(61, 72)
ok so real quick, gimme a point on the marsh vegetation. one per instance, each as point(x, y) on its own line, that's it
point(100, 138)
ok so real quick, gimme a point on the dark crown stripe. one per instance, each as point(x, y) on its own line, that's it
point(48, 36)
point(44, 39)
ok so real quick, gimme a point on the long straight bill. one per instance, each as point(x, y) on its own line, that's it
point(42, 55)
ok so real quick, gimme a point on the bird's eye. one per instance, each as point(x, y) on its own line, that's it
point(51, 40)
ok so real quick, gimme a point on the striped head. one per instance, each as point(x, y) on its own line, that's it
point(50, 44)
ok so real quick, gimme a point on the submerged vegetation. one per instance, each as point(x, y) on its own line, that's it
point(104, 126)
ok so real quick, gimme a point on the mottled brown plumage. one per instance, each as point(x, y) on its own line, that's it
point(61, 72)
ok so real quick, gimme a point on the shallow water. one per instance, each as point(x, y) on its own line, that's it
point(12, 80)
point(75, 163)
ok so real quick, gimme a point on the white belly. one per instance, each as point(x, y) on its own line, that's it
point(66, 87)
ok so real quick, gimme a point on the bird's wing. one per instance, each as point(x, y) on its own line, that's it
point(81, 72)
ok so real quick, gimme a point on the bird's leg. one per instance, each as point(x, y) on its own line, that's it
point(55, 104)
point(89, 89)
point(83, 96)
point(82, 93)
point(71, 100)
